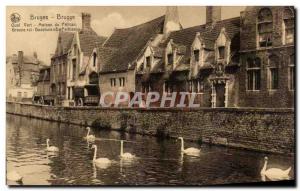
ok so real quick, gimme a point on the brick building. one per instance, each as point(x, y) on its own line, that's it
point(22, 73)
point(74, 71)
point(58, 74)
point(246, 61)
point(267, 57)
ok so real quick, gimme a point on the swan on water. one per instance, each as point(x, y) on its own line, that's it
point(51, 148)
point(100, 162)
point(89, 137)
point(189, 151)
point(125, 155)
point(274, 174)
point(14, 176)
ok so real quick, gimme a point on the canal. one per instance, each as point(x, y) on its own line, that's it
point(158, 162)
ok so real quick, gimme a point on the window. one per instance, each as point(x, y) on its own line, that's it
point(221, 50)
point(200, 87)
point(196, 86)
point(122, 82)
point(94, 59)
point(25, 94)
point(265, 27)
point(196, 55)
point(148, 63)
point(73, 69)
point(168, 87)
point(170, 58)
point(146, 87)
point(113, 82)
point(292, 73)
point(253, 74)
point(19, 94)
point(142, 67)
point(273, 78)
point(288, 26)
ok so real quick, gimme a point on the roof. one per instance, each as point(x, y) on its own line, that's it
point(89, 40)
point(183, 39)
point(124, 45)
point(26, 59)
point(64, 42)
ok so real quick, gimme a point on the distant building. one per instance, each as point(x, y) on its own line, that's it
point(22, 73)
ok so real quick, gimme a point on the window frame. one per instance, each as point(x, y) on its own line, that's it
point(267, 36)
point(252, 71)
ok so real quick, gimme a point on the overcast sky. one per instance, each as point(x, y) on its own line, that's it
point(104, 20)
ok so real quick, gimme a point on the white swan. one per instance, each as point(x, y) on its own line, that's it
point(274, 174)
point(14, 176)
point(89, 137)
point(125, 155)
point(100, 162)
point(51, 148)
point(189, 151)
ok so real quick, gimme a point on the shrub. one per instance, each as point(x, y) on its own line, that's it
point(101, 124)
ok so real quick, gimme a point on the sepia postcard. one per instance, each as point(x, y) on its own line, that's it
point(150, 95)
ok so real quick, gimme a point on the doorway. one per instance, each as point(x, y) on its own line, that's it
point(220, 94)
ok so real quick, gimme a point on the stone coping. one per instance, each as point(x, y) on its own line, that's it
point(208, 109)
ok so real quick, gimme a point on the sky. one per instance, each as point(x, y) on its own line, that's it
point(104, 21)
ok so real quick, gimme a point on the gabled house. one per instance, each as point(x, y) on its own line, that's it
point(82, 66)
point(59, 60)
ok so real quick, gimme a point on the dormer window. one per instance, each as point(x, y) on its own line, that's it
point(265, 27)
point(197, 55)
point(221, 50)
point(148, 62)
point(94, 59)
point(170, 58)
point(288, 26)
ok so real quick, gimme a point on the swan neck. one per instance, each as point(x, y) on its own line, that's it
point(263, 170)
point(182, 145)
point(88, 133)
point(121, 151)
point(95, 153)
point(47, 143)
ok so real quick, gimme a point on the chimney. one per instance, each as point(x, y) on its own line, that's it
point(171, 20)
point(86, 21)
point(213, 14)
point(35, 55)
point(20, 58)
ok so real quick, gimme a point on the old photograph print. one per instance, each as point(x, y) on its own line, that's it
point(150, 95)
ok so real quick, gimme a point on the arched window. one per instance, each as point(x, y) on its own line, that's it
point(273, 76)
point(265, 27)
point(94, 59)
point(288, 26)
point(253, 74)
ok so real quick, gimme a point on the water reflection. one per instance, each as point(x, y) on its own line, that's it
point(158, 162)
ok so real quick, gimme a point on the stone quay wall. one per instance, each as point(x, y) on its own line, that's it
point(268, 130)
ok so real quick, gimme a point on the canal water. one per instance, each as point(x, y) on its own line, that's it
point(158, 162)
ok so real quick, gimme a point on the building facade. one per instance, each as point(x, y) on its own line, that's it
point(22, 73)
point(246, 61)
point(43, 94)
